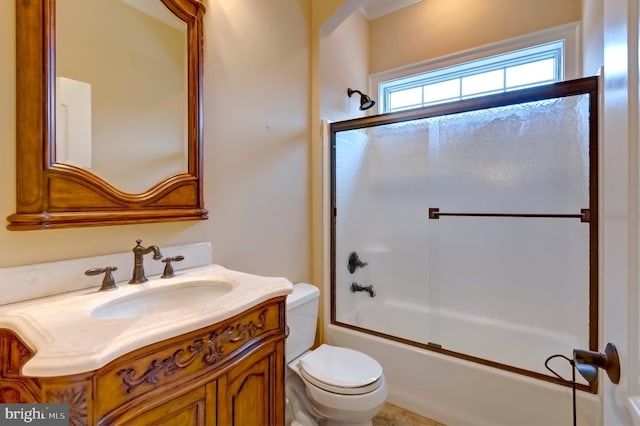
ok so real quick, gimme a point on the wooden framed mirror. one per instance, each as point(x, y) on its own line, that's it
point(53, 189)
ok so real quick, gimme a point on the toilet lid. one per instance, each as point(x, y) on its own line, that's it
point(341, 370)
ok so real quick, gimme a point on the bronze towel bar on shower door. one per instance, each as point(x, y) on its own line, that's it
point(584, 215)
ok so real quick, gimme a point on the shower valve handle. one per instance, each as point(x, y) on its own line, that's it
point(355, 262)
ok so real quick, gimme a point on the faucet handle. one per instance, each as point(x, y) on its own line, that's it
point(355, 262)
point(168, 267)
point(108, 283)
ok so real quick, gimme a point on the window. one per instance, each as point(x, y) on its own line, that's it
point(515, 70)
point(527, 61)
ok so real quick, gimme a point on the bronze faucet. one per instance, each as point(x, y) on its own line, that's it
point(368, 288)
point(138, 258)
point(108, 283)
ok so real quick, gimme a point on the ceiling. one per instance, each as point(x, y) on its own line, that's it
point(373, 9)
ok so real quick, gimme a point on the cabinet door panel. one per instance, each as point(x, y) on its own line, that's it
point(185, 410)
point(246, 392)
point(250, 396)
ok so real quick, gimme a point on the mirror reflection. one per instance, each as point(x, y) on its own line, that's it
point(121, 91)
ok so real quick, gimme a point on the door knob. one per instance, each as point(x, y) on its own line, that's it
point(588, 362)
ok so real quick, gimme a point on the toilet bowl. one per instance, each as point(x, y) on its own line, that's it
point(329, 384)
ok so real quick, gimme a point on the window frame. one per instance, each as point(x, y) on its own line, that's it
point(569, 34)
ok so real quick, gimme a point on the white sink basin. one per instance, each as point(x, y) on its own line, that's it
point(165, 299)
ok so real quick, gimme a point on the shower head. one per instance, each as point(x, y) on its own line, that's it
point(365, 101)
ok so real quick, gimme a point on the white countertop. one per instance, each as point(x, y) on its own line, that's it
point(67, 340)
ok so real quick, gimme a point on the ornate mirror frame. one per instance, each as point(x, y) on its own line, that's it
point(55, 195)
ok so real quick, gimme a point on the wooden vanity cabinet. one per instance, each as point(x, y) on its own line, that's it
point(230, 373)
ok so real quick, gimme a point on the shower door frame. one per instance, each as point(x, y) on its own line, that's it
point(582, 86)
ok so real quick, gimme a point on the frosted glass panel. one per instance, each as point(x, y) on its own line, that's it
point(527, 158)
point(510, 290)
point(519, 281)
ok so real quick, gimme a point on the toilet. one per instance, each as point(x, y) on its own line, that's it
point(329, 385)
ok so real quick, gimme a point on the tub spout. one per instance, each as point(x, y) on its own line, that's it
point(368, 288)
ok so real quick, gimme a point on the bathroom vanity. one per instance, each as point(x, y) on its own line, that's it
point(158, 353)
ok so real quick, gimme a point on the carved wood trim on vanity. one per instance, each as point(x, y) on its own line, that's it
point(211, 349)
point(173, 379)
point(76, 395)
point(13, 387)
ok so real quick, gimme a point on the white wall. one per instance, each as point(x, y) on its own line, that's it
point(592, 36)
point(620, 207)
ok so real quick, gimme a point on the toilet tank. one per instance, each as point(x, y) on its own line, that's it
point(302, 317)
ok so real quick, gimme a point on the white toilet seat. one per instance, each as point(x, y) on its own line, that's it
point(340, 370)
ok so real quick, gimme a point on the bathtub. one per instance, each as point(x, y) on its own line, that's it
point(456, 391)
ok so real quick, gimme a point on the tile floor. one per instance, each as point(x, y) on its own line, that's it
point(392, 415)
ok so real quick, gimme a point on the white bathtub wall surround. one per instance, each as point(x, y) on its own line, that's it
point(84, 338)
point(486, 338)
point(51, 278)
point(456, 392)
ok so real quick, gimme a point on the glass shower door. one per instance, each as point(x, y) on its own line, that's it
point(475, 225)
point(510, 241)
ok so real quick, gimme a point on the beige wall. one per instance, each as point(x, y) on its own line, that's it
point(256, 98)
point(344, 58)
point(326, 15)
point(434, 28)
point(257, 121)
